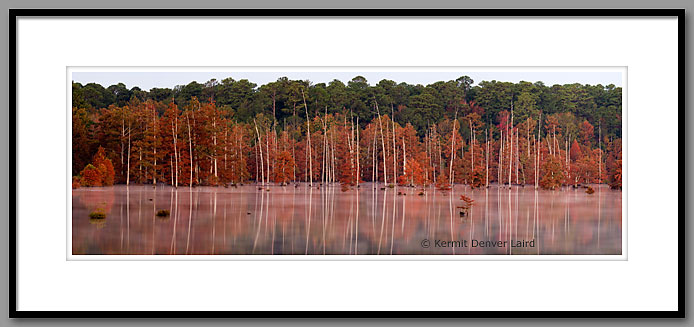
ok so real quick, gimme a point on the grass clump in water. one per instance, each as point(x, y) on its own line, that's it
point(590, 190)
point(97, 214)
point(163, 213)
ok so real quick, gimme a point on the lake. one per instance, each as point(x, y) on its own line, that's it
point(368, 220)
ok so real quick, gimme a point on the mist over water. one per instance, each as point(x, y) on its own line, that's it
point(299, 220)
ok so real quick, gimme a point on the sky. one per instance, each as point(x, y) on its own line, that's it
point(159, 79)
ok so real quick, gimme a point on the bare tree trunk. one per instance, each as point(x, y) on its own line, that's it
point(374, 165)
point(527, 140)
point(239, 155)
point(549, 144)
point(426, 150)
point(450, 167)
point(568, 157)
point(174, 132)
point(214, 142)
point(154, 176)
point(326, 155)
point(332, 153)
point(256, 163)
point(486, 139)
point(395, 170)
point(350, 142)
point(267, 155)
point(517, 160)
point(122, 144)
point(438, 146)
point(501, 157)
point(383, 142)
point(472, 148)
point(197, 168)
point(600, 153)
point(537, 150)
point(259, 145)
point(510, 149)
point(404, 158)
point(554, 143)
point(127, 179)
point(357, 149)
point(536, 157)
point(190, 148)
point(308, 131)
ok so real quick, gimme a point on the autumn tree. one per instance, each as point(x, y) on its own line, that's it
point(554, 173)
point(576, 152)
point(104, 166)
point(614, 164)
point(97, 173)
point(285, 164)
point(291, 130)
point(587, 133)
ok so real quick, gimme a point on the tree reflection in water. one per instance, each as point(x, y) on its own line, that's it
point(363, 221)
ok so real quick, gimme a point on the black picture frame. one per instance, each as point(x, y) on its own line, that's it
point(17, 13)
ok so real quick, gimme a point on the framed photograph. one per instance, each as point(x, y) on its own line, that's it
point(359, 163)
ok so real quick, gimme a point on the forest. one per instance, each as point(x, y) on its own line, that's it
point(448, 132)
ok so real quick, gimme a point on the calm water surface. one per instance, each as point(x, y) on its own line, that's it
point(302, 220)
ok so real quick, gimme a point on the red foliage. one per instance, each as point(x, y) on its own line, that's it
point(575, 151)
point(90, 176)
point(554, 174)
point(75, 182)
point(478, 177)
point(442, 182)
point(587, 133)
point(99, 173)
point(616, 182)
point(614, 164)
point(415, 173)
point(104, 166)
point(107, 173)
point(284, 167)
point(204, 144)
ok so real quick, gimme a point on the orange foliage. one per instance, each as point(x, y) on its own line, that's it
point(575, 151)
point(90, 176)
point(478, 177)
point(618, 173)
point(284, 168)
point(442, 182)
point(587, 133)
point(614, 165)
point(415, 173)
point(204, 144)
point(554, 173)
point(99, 173)
point(75, 182)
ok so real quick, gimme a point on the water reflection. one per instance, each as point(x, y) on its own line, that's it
point(365, 221)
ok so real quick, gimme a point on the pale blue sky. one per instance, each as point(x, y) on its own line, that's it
point(148, 80)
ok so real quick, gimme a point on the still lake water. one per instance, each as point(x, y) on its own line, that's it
point(365, 221)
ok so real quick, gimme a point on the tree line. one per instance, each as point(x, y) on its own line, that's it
point(291, 130)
